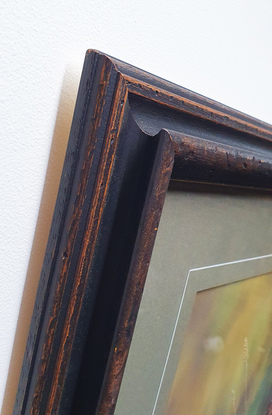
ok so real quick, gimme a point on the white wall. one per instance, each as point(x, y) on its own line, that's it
point(219, 48)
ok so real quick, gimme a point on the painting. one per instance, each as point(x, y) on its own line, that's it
point(225, 366)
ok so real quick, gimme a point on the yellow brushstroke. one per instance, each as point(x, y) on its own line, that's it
point(227, 349)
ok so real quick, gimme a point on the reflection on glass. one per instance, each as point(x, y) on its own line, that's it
point(225, 366)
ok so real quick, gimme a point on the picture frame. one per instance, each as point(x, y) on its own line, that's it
point(132, 134)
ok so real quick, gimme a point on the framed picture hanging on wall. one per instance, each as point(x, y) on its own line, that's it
point(155, 293)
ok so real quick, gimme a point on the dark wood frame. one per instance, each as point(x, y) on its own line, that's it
point(130, 134)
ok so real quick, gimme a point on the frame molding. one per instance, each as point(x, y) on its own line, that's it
point(130, 134)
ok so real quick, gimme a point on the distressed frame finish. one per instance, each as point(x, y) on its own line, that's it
point(130, 134)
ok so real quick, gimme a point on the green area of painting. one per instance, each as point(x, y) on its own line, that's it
point(226, 359)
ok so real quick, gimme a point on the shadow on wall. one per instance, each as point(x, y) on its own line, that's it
point(52, 179)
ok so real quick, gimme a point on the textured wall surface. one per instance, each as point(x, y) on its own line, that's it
point(221, 49)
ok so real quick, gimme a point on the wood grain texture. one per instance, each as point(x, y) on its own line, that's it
point(131, 130)
point(211, 162)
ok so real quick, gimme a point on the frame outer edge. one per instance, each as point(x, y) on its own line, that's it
point(55, 234)
point(38, 351)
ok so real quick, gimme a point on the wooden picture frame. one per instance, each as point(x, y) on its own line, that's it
point(131, 133)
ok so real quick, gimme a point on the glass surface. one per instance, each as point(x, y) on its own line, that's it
point(225, 366)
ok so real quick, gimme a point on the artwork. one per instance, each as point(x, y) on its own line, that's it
point(225, 366)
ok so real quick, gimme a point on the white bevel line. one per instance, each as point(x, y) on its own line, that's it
point(180, 307)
